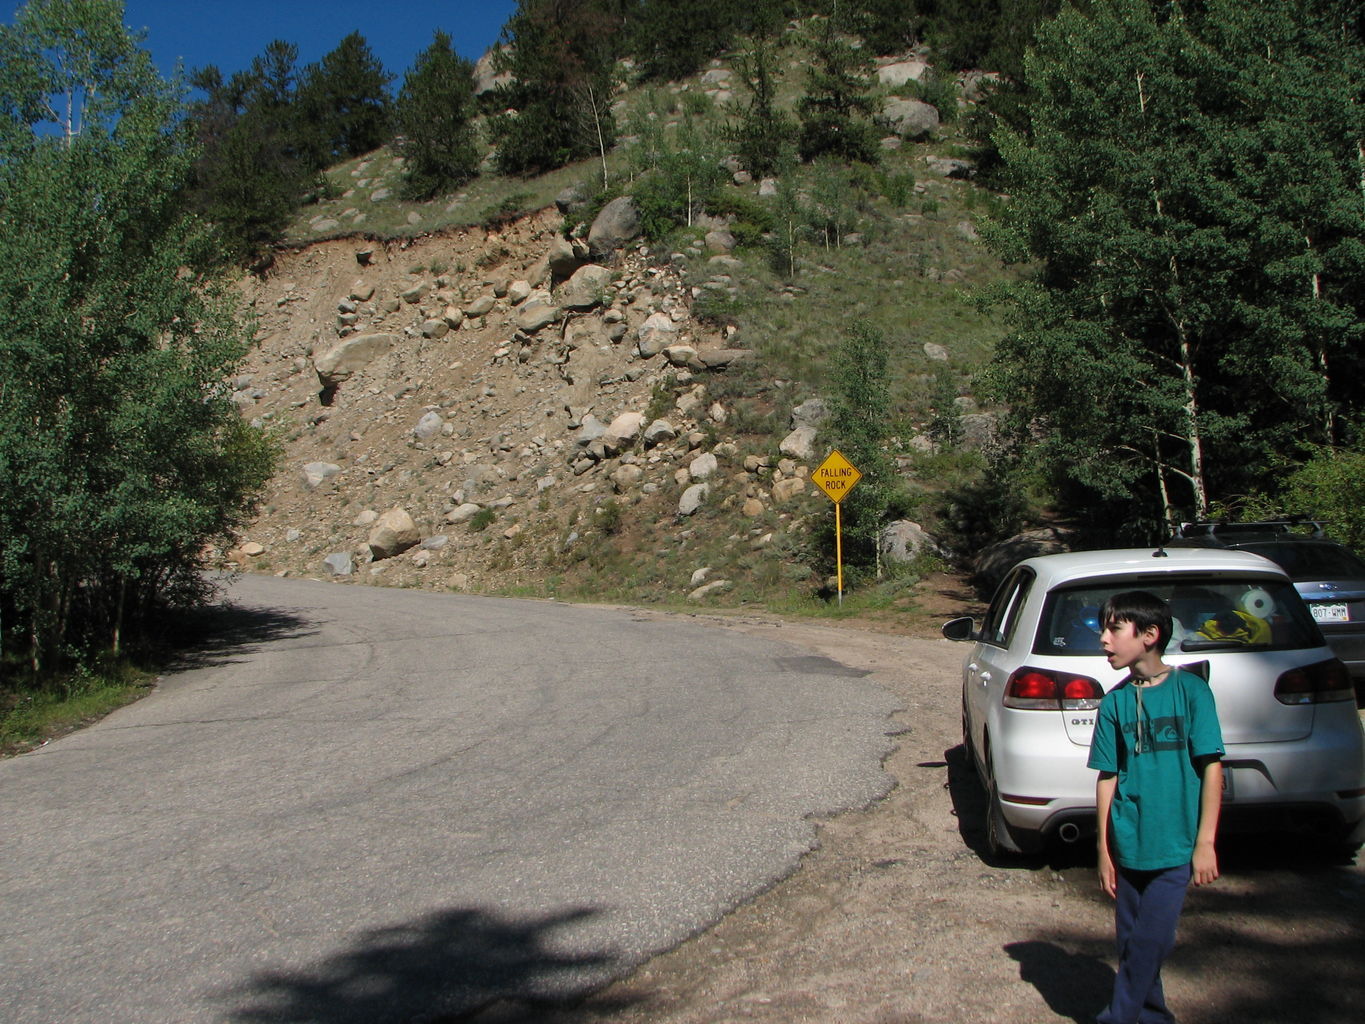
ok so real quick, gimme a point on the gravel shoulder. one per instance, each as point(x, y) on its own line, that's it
point(900, 916)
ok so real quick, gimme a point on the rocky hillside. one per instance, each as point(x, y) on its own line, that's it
point(455, 410)
point(503, 410)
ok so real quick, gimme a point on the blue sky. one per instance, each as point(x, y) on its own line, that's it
point(230, 34)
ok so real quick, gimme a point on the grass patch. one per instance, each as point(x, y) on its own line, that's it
point(30, 716)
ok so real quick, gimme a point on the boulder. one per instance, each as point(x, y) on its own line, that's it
point(720, 358)
point(950, 167)
point(428, 427)
point(720, 240)
point(616, 225)
point(535, 316)
point(347, 358)
point(785, 490)
point(435, 329)
point(895, 75)
point(703, 467)
point(910, 119)
point(658, 432)
point(799, 444)
point(590, 429)
point(683, 355)
point(315, 473)
point(623, 431)
point(707, 589)
point(623, 478)
point(481, 306)
point(394, 532)
point(569, 198)
point(810, 413)
point(903, 541)
point(562, 258)
point(655, 334)
point(692, 499)
point(995, 561)
point(487, 77)
point(462, 513)
point(979, 429)
point(339, 563)
point(586, 288)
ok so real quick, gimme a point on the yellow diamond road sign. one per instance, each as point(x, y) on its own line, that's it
point(836, 476)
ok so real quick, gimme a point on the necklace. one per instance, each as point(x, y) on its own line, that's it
point(1148, 680)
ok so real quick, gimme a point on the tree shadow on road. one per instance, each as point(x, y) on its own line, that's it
point(222, 633)
point(452, 965)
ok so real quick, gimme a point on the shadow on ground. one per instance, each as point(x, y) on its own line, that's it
point(969, 807)
point(453, 965)
point(1288, 950)
point(1074, 985)
point(221, 633)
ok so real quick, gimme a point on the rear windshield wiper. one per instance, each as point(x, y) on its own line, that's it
point(1217, 645)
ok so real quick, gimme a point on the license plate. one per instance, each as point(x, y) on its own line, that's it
point(1330, 612)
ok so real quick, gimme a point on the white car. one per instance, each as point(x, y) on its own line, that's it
point(1035, 675)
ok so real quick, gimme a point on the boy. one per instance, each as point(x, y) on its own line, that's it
point(1156, 746)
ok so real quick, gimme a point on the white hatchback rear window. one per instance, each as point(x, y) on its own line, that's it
point(1208, 613)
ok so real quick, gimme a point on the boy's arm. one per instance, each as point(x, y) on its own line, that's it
point(1205, 859)
point(1105, 785)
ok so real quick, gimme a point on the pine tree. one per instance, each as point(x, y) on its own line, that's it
point(836, 110)
point(343, 102)
point(763, 135)
point(434, 114)
point(561, 55)
point(257, 157)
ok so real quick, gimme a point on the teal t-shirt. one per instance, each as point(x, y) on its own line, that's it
point(1155, 816)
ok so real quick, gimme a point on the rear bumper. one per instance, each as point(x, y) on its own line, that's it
point(1330, 819)
point(1269, 786)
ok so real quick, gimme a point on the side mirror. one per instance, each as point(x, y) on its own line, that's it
point(963, 628)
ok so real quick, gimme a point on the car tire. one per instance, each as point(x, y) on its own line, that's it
point(999, 842)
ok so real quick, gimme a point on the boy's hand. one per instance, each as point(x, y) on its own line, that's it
point(1109, 877)
point(1205, 863)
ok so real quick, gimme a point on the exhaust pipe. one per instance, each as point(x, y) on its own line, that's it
point(1069, 832)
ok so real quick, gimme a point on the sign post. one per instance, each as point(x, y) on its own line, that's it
point(836, 477)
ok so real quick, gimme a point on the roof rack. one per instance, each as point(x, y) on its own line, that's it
point(1220, 528)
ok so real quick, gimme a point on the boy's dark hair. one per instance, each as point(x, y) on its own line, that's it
point(1143, 610)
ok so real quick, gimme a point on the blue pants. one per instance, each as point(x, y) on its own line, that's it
point(1145, 915)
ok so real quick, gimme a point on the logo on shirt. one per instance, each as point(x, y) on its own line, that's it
point(1158, 733)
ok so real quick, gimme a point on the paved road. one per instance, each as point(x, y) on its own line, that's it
point(373, 805)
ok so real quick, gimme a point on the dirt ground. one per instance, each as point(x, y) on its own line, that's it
point(900, 917)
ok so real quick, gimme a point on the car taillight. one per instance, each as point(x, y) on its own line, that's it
point(1036, 689)
point(1315, 684)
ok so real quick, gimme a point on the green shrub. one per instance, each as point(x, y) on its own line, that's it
point(897, 186)
point(482, 520)
point(610, 517)
point(696, 104)
point(508, 210)
point(1331, 486)
point(940, 92)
